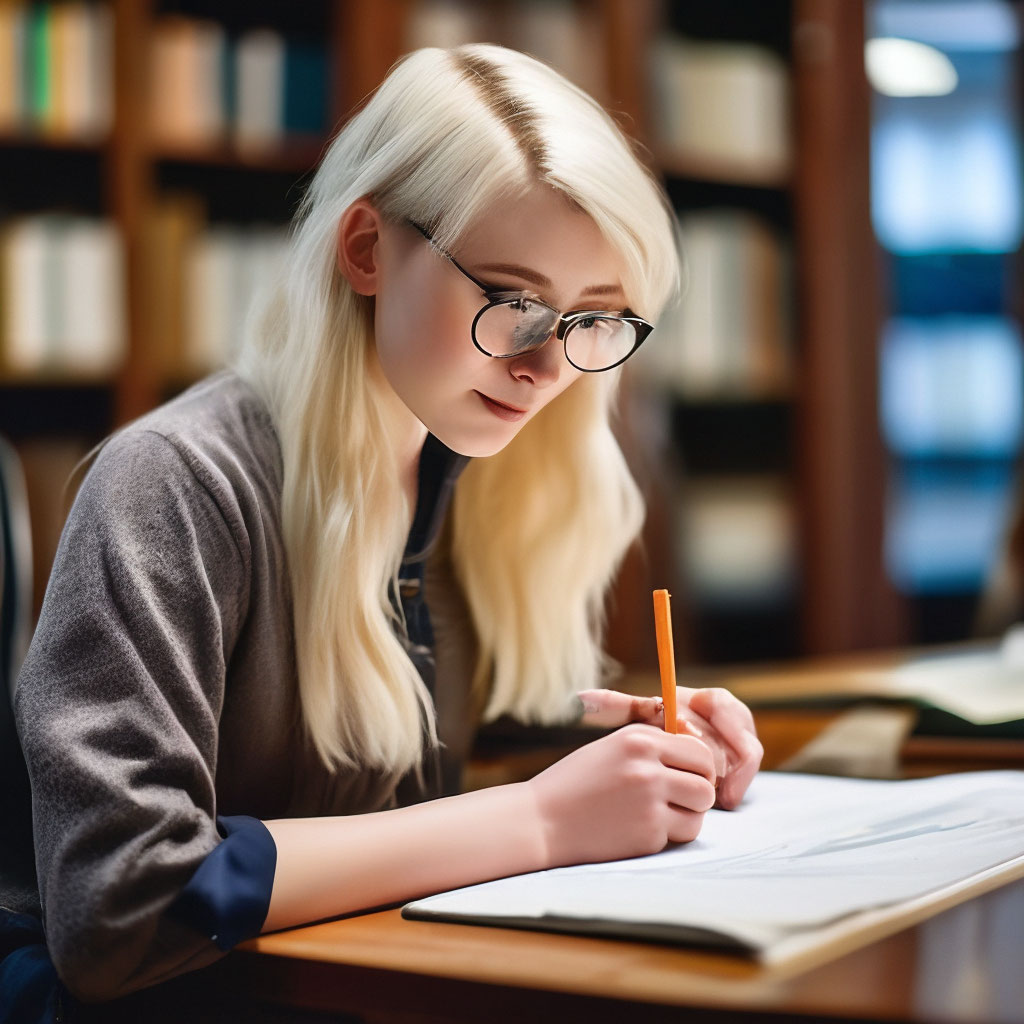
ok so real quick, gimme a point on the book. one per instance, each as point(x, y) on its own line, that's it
point(305, 88)
point(82, 59)
point(187, 75)
point(62, 301)
point(982, 685)
point(807, 868)
point(227, 272)
point(444, 23)
point(729, 335)
point(38, 65)
point(723, 105)
point(92, 337)
point(169, 229)
point(259, 62)
point(737, 539)
point(26, 286)
point(12, 74)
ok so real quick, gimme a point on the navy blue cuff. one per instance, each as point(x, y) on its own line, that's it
point(229, 895)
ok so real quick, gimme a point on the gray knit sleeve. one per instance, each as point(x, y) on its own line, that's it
point(117, 707)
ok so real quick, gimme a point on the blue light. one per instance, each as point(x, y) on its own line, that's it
point(946, 183)
point(952, 386)
point(945, 529)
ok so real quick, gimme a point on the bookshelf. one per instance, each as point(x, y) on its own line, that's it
point(806, 430)
point(791, 458)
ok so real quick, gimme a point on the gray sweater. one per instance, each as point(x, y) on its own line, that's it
point(160, 687)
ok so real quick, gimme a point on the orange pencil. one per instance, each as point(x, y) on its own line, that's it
point(666, 658)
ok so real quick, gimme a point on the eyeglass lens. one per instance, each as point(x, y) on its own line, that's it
point(517, 326)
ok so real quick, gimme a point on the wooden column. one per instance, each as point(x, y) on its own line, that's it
point(369, 36)
point(130, 193)
point(848, 602)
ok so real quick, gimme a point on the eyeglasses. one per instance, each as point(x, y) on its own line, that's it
point(515, 324)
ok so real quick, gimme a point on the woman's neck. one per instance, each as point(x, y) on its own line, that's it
point(408, 436)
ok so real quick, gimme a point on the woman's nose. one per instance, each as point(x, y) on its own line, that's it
point(541, 367)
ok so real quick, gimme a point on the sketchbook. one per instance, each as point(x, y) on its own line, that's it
point(808, 867)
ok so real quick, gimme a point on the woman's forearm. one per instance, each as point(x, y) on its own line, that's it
point(623, 795)
point(332, 866)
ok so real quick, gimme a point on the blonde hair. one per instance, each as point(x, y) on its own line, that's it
point(539, 528)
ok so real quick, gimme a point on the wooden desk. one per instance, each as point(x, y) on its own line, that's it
point(964, 965)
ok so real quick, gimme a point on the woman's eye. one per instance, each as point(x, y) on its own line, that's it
point(522, 305)
point(587, 322)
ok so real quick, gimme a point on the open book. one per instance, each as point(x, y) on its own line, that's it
point(807, 865)
point(983, 686)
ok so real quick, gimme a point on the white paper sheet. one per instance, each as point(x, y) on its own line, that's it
point(802, 853)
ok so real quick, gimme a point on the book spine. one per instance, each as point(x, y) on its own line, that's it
point(259, 90)
point(12, 71)
point(38, 71)
point(305, 88)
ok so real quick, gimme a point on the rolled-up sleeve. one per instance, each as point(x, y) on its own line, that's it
point(118, 705)
point(228, 896)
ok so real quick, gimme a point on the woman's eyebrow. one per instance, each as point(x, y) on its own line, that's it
point(516, 271)
point(602, 290)
point(543, 282)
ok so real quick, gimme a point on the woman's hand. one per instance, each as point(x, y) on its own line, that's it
point(624, 795)
point(722, 722)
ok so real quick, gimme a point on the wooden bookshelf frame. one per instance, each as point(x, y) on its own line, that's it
point(848, 603)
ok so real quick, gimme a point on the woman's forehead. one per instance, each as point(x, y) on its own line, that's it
point(544, 239)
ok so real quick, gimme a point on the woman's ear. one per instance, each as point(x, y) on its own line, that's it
point(358, 234)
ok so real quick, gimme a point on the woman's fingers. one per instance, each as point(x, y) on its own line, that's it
point(623, 795)
point(720, 707)
point(734, 784)
point(700, 727)
point(609, 709)
point(687, 754)
point(731, 722)
point(723, 724)
point(684, 825)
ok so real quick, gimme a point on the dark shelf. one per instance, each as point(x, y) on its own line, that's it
point(234, 191)
point(942, 618)
point(773, 202)
point(307, 17)
point(38, 174)
point(756, 633)
point(293, 156)
point(56, 410)
point(764, 22)
point(733, 437)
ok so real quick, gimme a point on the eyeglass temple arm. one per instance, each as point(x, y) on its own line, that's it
point(448, 256)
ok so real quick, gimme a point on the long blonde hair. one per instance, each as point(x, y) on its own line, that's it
point(538, 529)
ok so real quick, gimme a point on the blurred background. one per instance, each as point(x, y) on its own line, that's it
point(828, 427)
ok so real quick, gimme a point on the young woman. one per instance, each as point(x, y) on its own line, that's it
point(231, 711)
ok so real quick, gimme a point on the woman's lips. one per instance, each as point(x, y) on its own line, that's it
point(509, 413)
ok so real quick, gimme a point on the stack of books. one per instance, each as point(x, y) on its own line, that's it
point(56, 70)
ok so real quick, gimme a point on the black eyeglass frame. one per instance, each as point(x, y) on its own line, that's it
point(566, 321)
